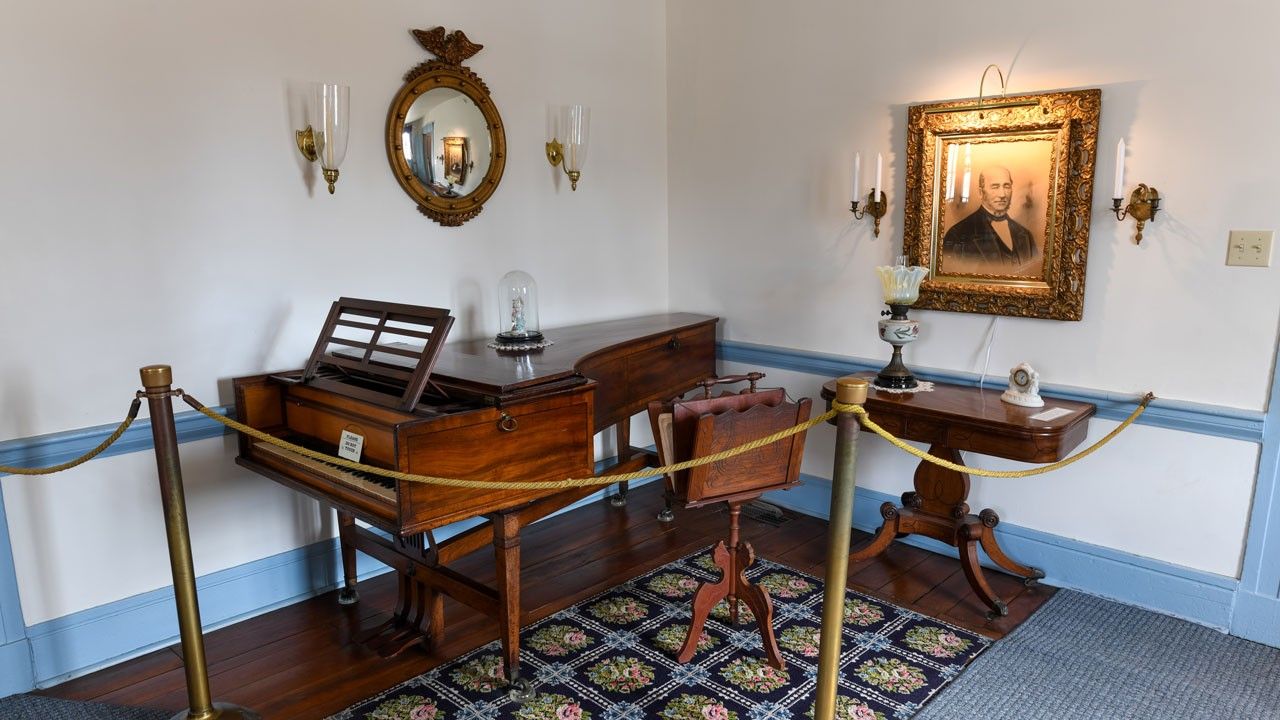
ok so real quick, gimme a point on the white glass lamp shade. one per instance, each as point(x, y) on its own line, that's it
point(331, 124)
point(901, 283)
point(518, 307)
point(574, 126)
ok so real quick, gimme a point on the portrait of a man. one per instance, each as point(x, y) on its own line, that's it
point(994, 208)
point(988, 237)
point(998, 202)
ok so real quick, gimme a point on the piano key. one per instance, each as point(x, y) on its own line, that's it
point(376, 485)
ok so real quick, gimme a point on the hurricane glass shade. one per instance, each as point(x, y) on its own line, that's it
point(518, 306)
point(901, 283)
point(575, 121)
point(331, 124)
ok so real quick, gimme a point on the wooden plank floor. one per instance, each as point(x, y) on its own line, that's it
point(299, 661)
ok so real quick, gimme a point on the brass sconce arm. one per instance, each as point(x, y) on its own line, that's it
point(306, 139)
point(555, 156)
point(875, 208)
point(1144, 202)
point(307, 143)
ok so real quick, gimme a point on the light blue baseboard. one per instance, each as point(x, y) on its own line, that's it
point(15, 667)
point(85, 641)
point(1257, 617)
point(1219, 420)
point(1190, 594)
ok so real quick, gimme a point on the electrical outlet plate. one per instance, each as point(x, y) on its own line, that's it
point(1250, 248)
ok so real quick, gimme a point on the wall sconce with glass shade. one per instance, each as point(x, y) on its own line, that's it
point(877, 201)
point(568, 145)
point(901, 289)
point(1144, 201)
point(325, 140)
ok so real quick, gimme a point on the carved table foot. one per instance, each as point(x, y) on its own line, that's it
point(987, 538)
point(885, 535)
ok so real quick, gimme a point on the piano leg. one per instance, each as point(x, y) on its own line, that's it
point(346, 533)
point(622, 431)
point(506, 550)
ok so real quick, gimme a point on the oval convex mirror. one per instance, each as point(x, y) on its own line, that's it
point(445, 139)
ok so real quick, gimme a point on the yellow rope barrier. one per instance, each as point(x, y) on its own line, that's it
point(504, 484)
point(837, 407)
point(861, 412)
point(128, 420)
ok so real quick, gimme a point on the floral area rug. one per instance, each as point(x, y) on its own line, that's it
point(612, 657)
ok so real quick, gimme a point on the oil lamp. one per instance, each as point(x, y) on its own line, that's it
point(901, 289)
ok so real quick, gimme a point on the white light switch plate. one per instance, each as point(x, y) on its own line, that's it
point(1251, 248)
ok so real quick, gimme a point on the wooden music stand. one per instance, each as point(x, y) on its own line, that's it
point(697, 428)
point(369, 335)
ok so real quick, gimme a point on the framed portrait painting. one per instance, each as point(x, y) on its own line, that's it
point(998, 202)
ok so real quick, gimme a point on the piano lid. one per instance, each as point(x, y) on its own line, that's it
point(474, 368)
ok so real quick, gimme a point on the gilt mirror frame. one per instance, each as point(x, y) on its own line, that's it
point(446, 71)
point(1044, 145)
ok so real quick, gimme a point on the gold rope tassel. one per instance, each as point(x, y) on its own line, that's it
point(133, 414)
point(1040, 470)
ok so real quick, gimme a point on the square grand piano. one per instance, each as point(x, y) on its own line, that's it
point(381, 371)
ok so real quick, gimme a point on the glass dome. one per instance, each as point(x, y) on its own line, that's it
point(518, 308)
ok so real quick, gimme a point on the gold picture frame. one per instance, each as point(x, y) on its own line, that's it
point(999, 196)
point(456, 160)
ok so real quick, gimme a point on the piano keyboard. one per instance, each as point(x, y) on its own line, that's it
point(376, 485)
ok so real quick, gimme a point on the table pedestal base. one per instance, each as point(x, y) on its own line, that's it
point(937, 509)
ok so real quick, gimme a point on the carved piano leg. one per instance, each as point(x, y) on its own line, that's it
point(346, 534)
point(622, 431)
point(506, 549)
point(668, 499)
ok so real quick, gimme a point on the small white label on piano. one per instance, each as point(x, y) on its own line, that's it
point(1050, 414)
point(350, 445)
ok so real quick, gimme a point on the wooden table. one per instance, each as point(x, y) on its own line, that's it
point(953, 418)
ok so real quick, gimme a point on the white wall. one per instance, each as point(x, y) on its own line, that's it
point(177, 224)
point(763, 200)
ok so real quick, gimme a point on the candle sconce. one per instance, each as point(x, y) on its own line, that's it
point(1144, 202)
point(873, 207)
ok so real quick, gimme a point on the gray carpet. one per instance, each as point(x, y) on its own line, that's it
point(38, 707)
point(1084, 657)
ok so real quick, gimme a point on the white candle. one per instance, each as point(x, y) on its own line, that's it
point(1119, 190)
point(857, 175)
point(875, 191)
point(964, 184)
point(952, 153)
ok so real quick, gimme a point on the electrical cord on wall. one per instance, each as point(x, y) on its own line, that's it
point(991, 340)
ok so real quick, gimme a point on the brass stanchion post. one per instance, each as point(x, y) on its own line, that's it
point(849, 391)
point(157, 381)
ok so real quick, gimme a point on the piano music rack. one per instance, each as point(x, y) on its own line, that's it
point(378, 344)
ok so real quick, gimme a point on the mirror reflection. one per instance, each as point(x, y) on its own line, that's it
point(446, 142)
